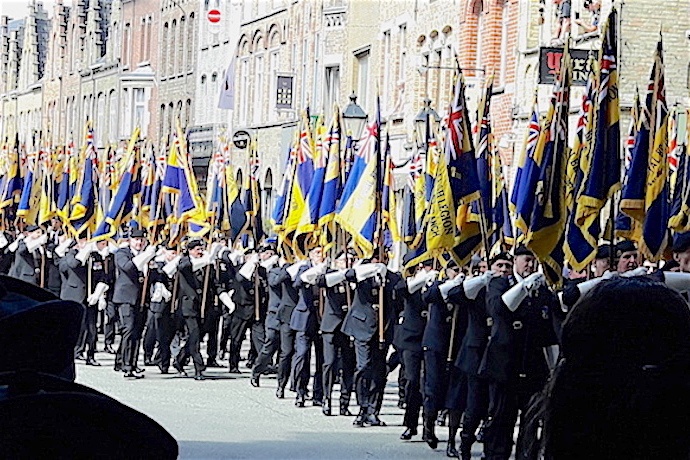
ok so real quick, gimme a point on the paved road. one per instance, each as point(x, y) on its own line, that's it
point(225, 417)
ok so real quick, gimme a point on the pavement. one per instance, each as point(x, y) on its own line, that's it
point(225, 417)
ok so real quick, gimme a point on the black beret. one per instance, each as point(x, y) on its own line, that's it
point(137, 233)
point(32, 228)
point(267, 247)
point(502, 256)
point(603, 251)
point(194, 244)
point(624, 246)
point(522, 250)
point(681, 242)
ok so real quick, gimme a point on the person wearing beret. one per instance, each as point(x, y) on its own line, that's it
point(27, 260)
point(515, 361)
point(130, 265)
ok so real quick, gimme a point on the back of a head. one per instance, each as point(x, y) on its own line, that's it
point(622, 389)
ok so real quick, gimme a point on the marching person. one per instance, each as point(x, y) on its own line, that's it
point(130, 264)
point(270, 273)
point(27, 259)
point(445, 328)
point(305, 322)
point(257, 327)
point(74, 272)
point(470, 297)
point(337, 348)
point(408, 339)
point(190, 299)
point(288, 300)
point(514, 362)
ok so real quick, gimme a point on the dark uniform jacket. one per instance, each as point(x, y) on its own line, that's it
point(6, 257)
point(128, 281)
point(275, 290)
point(440, 321)
point(190, 289)
point(53, 277)
point(361, 321)
point(515, 350)
point(335, 306)
point(304, 317)
point(25, 266)
point(478, 329)
point(412, 320)
point(244, 294)
point(289, 295)
point(75, 277)
point(157, 275)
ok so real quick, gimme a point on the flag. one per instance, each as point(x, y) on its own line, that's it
point(308, 224)
point(357, 211)
point(122, 200)
point(627, 227)
point(252, 201)
point(84, 200)
point(461, 163)
point(527, 175)
point(481, 210)
point(680, 205)
point(304, 173)
point(227, 92)
point(502, 233)
point(12, 177)
point(283, 193)
point(46, 205)
point(332, 182)
point(601, 178)
point(545, 236)
point(646, 195)
point(180, 181)
point(29, 199)
point(388, 207)
point(580, 247)
point(68, 184)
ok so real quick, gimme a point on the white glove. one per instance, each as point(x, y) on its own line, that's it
point(236, 257)
point(85, 252)
point(171, 267)
point(446, 287)
point(514, 296)
point(33, 244)
point(112, 247)
point(639, 271)
point(309, 276)
point(167, 295)
point(215, 250)
point(679, 282)
point(364, 271)
point(98, 292)
point(160, 252)
point(3, 240)
point(102, 303)
point(381, 269)
point(15, 244)
point(247, 270)
point(294, 268)
point(201, 262)
point(270, 262)
point(157, 292)
point(61, 249)
point(142, 260)
point(334, 278)
point(415, 283)
point(226, 298)
point(534, 281)
point(473, 286)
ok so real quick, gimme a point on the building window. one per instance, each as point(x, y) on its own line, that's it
point(164, 49)
point(303, 79)
point(172, 66)
point(126, 119)
point(244, 87)
point(190, 42)
point(402, 35)
point(127, 39)
point(140, 109)
point(142, 40)
point(181, 43)
point(257, 105)
point(267, 196)
point(112, 126)
point(332, 89)
point(387, 83)
point(316, 89)
point(100, 110)
point(273, 75)
point(363, 80)
point(188, 113)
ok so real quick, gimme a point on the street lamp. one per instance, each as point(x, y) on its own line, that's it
point(422, 121)
point(354, 118)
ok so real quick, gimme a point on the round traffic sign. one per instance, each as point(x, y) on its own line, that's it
point(213, 16)
point(241, 139)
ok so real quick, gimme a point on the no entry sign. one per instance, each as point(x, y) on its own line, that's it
point(213, 16)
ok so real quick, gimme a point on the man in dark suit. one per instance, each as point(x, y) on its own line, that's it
point(270, 276)
point(130, 263)
point(288, 300)
point(362, 324)
point(338, 351)
point(257, 327)
point(305, 322)
point(408, 340)
point(469, 296)
point(190, 301)
point(27, 258)
point(514, 362)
